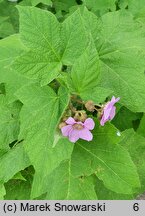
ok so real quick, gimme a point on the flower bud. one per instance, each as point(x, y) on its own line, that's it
point(90, 106)
point(80, 115)
point(62, 124)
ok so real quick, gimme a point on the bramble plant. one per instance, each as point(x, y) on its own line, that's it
point(72, 99)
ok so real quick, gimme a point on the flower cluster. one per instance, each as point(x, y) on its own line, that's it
point(79, 126)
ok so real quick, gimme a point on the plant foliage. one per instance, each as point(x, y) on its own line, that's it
point(56, 56)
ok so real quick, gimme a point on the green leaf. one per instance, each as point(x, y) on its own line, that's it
point(141, 128)
point(85, 71)
point(10, 48)
point(61, 184)
point(51, 44)
point(2, 88)
point(108, 160)
point(135, 144)
point(6, 28)
point(36, 2)
point(2, 191)
point(98, 95)
point(9, 122)
point(105, 194)
point(63, 5)
point(121, 51)
point(12, 161)
point(19, 176)
point(26, 3)
point(9, 26)
point(125, 119)
point(100, 6)
point(40, 116)
point(37, 66)
point(44, 40)
point(137, 8)
point(51, 160)
point(74, 37)
point(38, 35)
point(92, 24)
point(19, 189)
point(123, 3)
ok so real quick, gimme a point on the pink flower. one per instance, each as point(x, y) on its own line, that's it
point(78, 130)
point(109, 111)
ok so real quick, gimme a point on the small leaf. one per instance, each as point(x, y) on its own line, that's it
point(18, 176)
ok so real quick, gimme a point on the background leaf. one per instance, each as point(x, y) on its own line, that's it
point(135, 144)
point(100, 6)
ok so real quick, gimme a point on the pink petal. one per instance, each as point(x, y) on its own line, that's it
point(66, 129)
point(70, 121)
point(112, 113)
point(74, 135)
point(89, 124)
point(117, 99)
point(107, 111)
point(79, 122)
point(102, 122)
point(85, 134)
point(114, 100)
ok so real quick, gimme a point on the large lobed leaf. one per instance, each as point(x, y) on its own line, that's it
point(39, 118)
point(120, 44)
point(103, 157)
point(52, 44)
